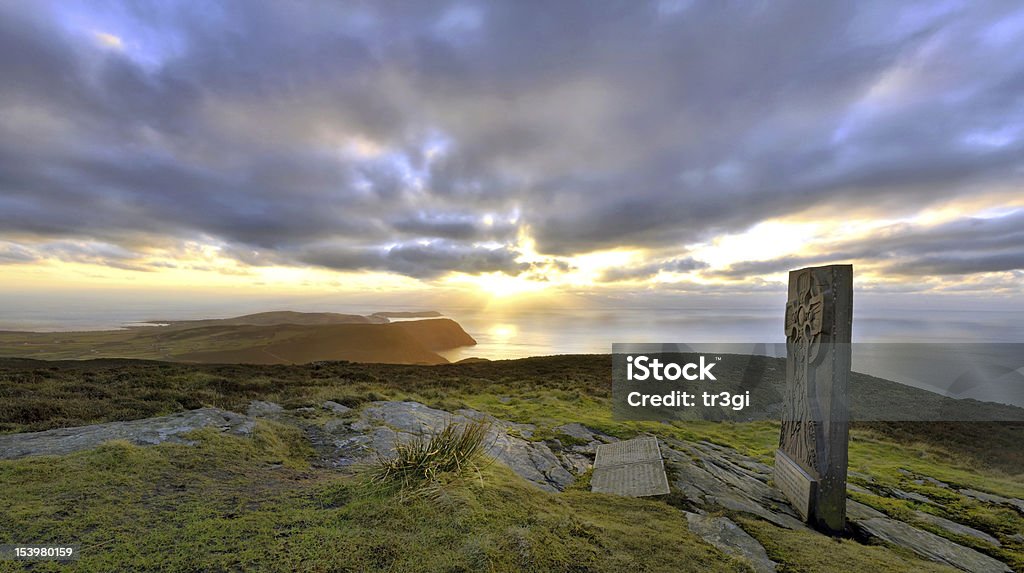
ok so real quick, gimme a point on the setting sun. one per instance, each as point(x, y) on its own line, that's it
point(503, 331)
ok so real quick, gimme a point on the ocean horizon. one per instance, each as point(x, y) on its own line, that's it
point(950, 344)
point(505, 334)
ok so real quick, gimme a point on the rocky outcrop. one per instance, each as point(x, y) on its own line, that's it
point(955, 528)
point(263, 409)
point(929, 545)
point(335, 407)
point(728, 537)
point(714, 477)
point(908, 495)
point(711, 478)
point(580, 432)
point(873, 524)
point(1013, 502)
point(382, 424)
point(856, 511)
point(147, 432)
point(577, 445)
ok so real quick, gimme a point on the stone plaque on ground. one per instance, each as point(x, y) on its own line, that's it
point(810, 464)
point(631, 467)
point(644, 449)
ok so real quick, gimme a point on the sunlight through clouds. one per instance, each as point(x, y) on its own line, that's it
point(452, 145)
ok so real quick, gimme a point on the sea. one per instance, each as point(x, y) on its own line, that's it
point(932, 348)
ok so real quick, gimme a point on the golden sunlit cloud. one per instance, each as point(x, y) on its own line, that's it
point(764, 241)
point(812, 236)
point(199, 265)
point(496, 284)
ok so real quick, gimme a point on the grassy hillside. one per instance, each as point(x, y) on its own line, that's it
point(289, 344)
point(267, 338)
point(39, 395)
point(278, 317)
point(436, 333)
point(231, 503)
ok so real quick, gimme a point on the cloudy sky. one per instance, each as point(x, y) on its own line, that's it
point(511, 148)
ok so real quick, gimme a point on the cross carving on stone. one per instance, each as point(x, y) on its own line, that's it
point(806, 319)
point(805, 325)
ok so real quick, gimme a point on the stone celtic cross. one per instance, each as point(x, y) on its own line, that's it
point(810, 464)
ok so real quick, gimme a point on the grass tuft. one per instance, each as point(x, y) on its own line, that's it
point(423, 466)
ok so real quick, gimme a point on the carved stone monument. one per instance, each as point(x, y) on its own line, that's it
point(810, 464)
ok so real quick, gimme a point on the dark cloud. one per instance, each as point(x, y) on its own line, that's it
point(11, 253)
point(76, 252)
point(455, 226)
point(390, 131)
point(680, 265)
point(418, 260)
point(962, 264)
point(746, 269)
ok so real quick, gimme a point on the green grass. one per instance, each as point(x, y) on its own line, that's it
point(236, 504)
point(230, 504)
point(547, 391)
point(882, 458)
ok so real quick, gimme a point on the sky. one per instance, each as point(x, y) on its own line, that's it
point(622, 151)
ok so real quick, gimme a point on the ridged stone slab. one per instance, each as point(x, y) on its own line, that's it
point(795, 483)
point(632, 468)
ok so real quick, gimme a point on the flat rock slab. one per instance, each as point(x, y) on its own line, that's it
point(713, 477)
point(729, 538)
point(632, 468)
point(909, 496)
point(858, 489)
point(857, 511)
point(1018, 504)
point(956, 528)
point(929, 545)
point(577, 430)
point(145, 432)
